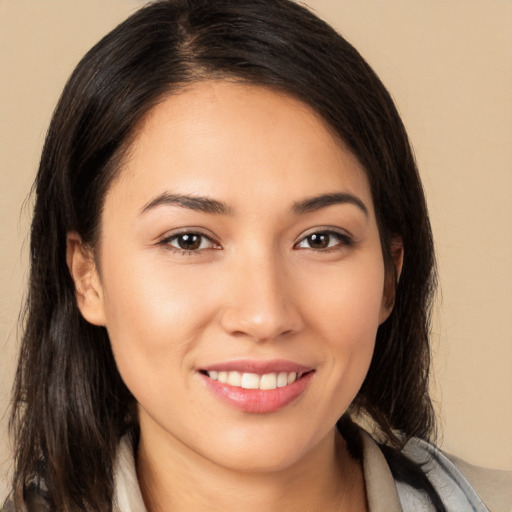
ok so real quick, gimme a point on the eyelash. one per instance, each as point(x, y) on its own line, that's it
point(344, 240)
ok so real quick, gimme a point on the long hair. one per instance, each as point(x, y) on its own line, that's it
point(70, 406)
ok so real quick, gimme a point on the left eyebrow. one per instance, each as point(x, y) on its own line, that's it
point(191, 202)
point(313, 204)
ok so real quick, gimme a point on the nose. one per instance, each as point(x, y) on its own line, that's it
point(260, 304)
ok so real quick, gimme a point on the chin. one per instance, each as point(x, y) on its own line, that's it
point(263, 452)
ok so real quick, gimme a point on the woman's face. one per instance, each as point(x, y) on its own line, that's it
point(241, 276)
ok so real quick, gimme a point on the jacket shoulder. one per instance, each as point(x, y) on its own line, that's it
point(494, 486)
point(462, 486)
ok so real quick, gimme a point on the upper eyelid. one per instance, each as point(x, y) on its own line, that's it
point(165, 242)
point(169, 235)
point(326, 229)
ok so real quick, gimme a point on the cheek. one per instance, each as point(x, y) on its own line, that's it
point(345, 310)
point(153, 318)
point(346, 301)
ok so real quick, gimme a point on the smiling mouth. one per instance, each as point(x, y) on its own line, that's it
point(264, 382)
point(252, 386)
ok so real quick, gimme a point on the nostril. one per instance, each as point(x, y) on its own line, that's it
point(260, 320)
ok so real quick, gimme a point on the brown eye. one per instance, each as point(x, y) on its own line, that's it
point(189, 241)
point(322, 240)
point(319, 240)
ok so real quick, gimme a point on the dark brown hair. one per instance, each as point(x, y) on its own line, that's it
point(70, 405)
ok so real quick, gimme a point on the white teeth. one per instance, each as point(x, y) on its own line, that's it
point(282, 380)
point(250, 381)
point(234, 379)
point(266, 381)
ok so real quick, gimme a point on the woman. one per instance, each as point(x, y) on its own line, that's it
point(231, 263)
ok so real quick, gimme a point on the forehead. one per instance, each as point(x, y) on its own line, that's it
point(235, 142)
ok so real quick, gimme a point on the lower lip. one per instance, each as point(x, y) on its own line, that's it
point(257, 400)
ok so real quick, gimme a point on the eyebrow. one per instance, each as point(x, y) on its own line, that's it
point(323, 201)
point(197, 203)
point(213, 206)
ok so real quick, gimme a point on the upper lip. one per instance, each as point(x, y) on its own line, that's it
point(258, 367)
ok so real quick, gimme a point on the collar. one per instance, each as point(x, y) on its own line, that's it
point(381, 491)
point(127, 495)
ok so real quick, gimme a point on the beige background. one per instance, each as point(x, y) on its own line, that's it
point(448, 65)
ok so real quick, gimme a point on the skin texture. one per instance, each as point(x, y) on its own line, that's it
point(256, 289)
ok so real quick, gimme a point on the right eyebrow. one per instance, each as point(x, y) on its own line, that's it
point(312, 204)
point(191, 202)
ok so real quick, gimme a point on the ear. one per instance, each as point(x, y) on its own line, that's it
point(88, 290)
point(392, 278)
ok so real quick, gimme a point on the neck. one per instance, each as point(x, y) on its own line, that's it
point(172, 478)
